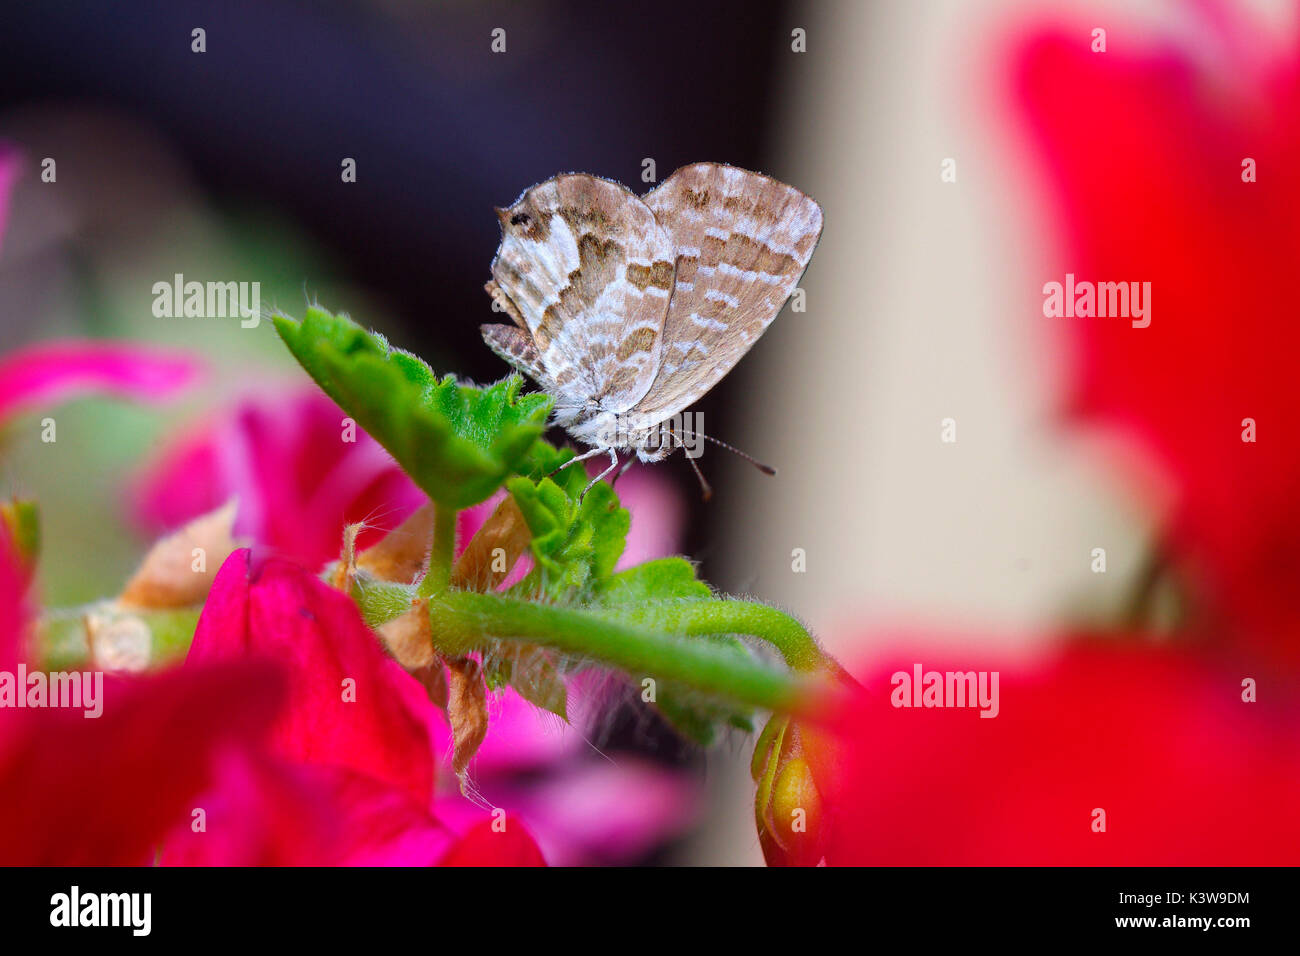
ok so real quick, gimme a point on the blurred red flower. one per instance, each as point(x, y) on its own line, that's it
point(1185, 770)
point(223, 761)
point(1173, 166)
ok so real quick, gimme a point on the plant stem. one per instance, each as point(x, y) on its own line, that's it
point(462, 620)
point(698, 618)
point(442, 553)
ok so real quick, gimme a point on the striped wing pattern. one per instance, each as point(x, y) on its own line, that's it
point(741, 242)
point(590, 273)
point(622, 304)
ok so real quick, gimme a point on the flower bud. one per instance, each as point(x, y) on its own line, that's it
point(789, 806)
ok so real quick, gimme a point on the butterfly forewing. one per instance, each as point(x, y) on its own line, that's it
point(590, 271)
point(740, 241)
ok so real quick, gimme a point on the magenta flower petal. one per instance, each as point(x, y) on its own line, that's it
point(78, 790)
point(603, 812)
point(298, 477)
point(521, 737)
point(266, 812)
point(658, 516)
point(350, 705)
point(57, 371)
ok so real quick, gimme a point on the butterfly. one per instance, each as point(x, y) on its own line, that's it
point(628, 309)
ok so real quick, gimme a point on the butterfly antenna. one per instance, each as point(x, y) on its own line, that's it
point(706, 490)
point(765, 469)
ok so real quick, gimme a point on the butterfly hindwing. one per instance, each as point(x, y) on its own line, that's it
point(516, 346)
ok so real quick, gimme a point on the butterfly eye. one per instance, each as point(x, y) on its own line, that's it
point(519, 219)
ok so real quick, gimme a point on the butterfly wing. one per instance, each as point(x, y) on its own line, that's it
point(590, 272)
point(516, 347)
point(741, 242)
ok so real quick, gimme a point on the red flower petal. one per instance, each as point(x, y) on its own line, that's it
point(1185, 770)
point(482, 845)
point(1155, 194)
point(299, 482)
point(103, 791)
point(12, 591)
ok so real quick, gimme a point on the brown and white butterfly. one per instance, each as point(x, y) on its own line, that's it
point(628, 309)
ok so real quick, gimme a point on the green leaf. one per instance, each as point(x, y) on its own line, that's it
point(664, 579)
point(544, 460)
point(698, 718)
point(575, 546)
point(457, 442)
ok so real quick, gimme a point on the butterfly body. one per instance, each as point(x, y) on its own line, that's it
point(628, 309)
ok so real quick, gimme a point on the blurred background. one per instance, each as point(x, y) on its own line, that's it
point(921, 299)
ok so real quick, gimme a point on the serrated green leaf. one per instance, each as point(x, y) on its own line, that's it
point(457, 442)
point(664, 579)
point(544, 460)
point(575, 546)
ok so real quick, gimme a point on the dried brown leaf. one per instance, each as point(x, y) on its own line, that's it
point(178, 570)
point(403, 553)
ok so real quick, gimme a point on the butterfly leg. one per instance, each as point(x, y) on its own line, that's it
point(573, 461)
point(613, 463)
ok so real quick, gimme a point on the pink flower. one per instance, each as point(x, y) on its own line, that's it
point(54, 372)
point(221, 761)
point(299, 477)
point(350, 705)
point(348, 771)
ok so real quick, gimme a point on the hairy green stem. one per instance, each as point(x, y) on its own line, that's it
point(463, 620)
point(442, 553)
point(698, 618)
